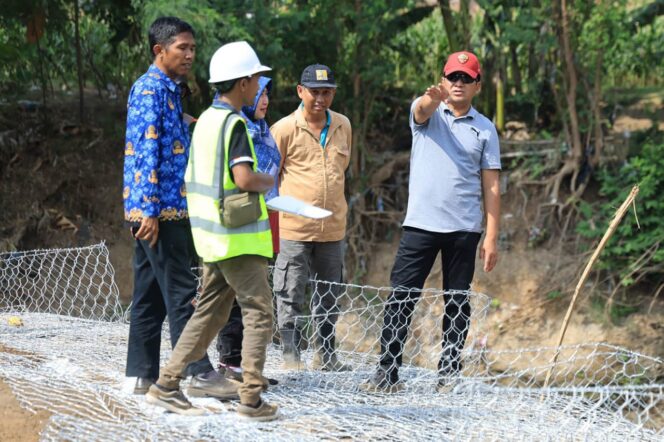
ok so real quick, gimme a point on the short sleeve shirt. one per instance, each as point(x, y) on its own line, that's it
point(239, 150)
point(447, 157)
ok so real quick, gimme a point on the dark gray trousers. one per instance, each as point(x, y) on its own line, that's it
point(297, 262)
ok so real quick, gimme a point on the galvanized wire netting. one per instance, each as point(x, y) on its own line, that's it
point(70, 362)
point(73, 282)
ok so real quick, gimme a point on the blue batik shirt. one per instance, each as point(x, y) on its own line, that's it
point(156, 150)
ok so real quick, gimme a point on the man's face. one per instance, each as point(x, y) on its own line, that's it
point(249, 87)
point(459, 88)
point(176, 58)
point(316, 101)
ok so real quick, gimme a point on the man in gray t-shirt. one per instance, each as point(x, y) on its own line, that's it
point(455, 161)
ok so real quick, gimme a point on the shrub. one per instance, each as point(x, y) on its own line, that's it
point(633, 253)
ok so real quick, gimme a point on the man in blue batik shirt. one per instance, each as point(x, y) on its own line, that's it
point(156, 154)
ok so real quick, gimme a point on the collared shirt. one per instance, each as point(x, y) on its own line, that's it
point(447, 158)
point(156, 150)
point(313, 174)
point(326, 128)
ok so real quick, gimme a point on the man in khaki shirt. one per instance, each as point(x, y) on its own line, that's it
point(315, 146)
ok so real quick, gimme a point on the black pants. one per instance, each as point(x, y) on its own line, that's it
point(229, 340)
point(164, 284)
point(417, 252)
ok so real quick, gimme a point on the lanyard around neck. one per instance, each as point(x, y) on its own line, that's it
point(323, 133)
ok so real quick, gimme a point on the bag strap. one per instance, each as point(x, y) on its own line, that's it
point(222, 149)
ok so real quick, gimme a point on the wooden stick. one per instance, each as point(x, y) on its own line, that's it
point(620, 213)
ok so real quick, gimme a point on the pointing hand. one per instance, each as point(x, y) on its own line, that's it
point(437, 92)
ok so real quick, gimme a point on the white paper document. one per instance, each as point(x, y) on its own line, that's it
point(292, 205)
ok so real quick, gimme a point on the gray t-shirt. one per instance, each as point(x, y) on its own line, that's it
point(446, 160)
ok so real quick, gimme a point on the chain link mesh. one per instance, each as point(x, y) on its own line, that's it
point(68, 358)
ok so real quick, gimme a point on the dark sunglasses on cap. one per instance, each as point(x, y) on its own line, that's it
point(456, 76)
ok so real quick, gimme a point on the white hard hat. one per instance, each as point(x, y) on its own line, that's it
point(235, 60)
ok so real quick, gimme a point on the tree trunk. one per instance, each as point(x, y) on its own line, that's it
point(79, 64)
point(357, 83)
point(570, 81)
point(533, 63)
point(516, 72)
point(448, 23)
point(42, 75)
point(597, 110)
point(463, 30)
point(500, 103)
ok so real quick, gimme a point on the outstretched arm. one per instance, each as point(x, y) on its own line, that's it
point(429, 102)
point(491, 193)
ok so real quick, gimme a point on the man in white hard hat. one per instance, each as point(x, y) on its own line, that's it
point(222, 164)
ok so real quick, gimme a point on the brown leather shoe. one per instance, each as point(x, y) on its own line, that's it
point(212, 384)
point(143, 385)
point(234, 375)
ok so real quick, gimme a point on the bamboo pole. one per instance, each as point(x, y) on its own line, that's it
point(620, 213)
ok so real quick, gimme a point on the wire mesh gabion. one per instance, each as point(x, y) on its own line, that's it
point(68, 358)
point(76, 282)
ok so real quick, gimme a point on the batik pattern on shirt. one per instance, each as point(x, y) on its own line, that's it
point(156, 150)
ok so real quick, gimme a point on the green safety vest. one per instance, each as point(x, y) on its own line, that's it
point(213, 241)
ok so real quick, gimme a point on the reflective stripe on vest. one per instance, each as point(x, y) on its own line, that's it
point(215, 227)
point(207, 190)
point(213, 241)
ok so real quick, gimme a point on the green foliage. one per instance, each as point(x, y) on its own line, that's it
point(620, 312)
point(213, 26)
point(384, 52)
point(616, 315)
point(630, 243)
point(554, 294)
point(415, 44)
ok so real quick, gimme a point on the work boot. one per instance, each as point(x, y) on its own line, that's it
point(212, 384)
point(290, 341)
point(447, 384)
point(384, 380)
point(328, 362)
point(449, 373)
point(325, 358)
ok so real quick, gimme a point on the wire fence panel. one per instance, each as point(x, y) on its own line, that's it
point(76, 282)
point(66, 355)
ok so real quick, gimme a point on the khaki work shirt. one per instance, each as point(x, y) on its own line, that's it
point(314, 175)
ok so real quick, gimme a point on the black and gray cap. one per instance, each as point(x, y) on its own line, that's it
point(317, 76)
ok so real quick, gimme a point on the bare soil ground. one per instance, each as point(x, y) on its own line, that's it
point(18, 424)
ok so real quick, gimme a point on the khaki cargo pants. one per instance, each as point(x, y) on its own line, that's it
point(244, 277)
